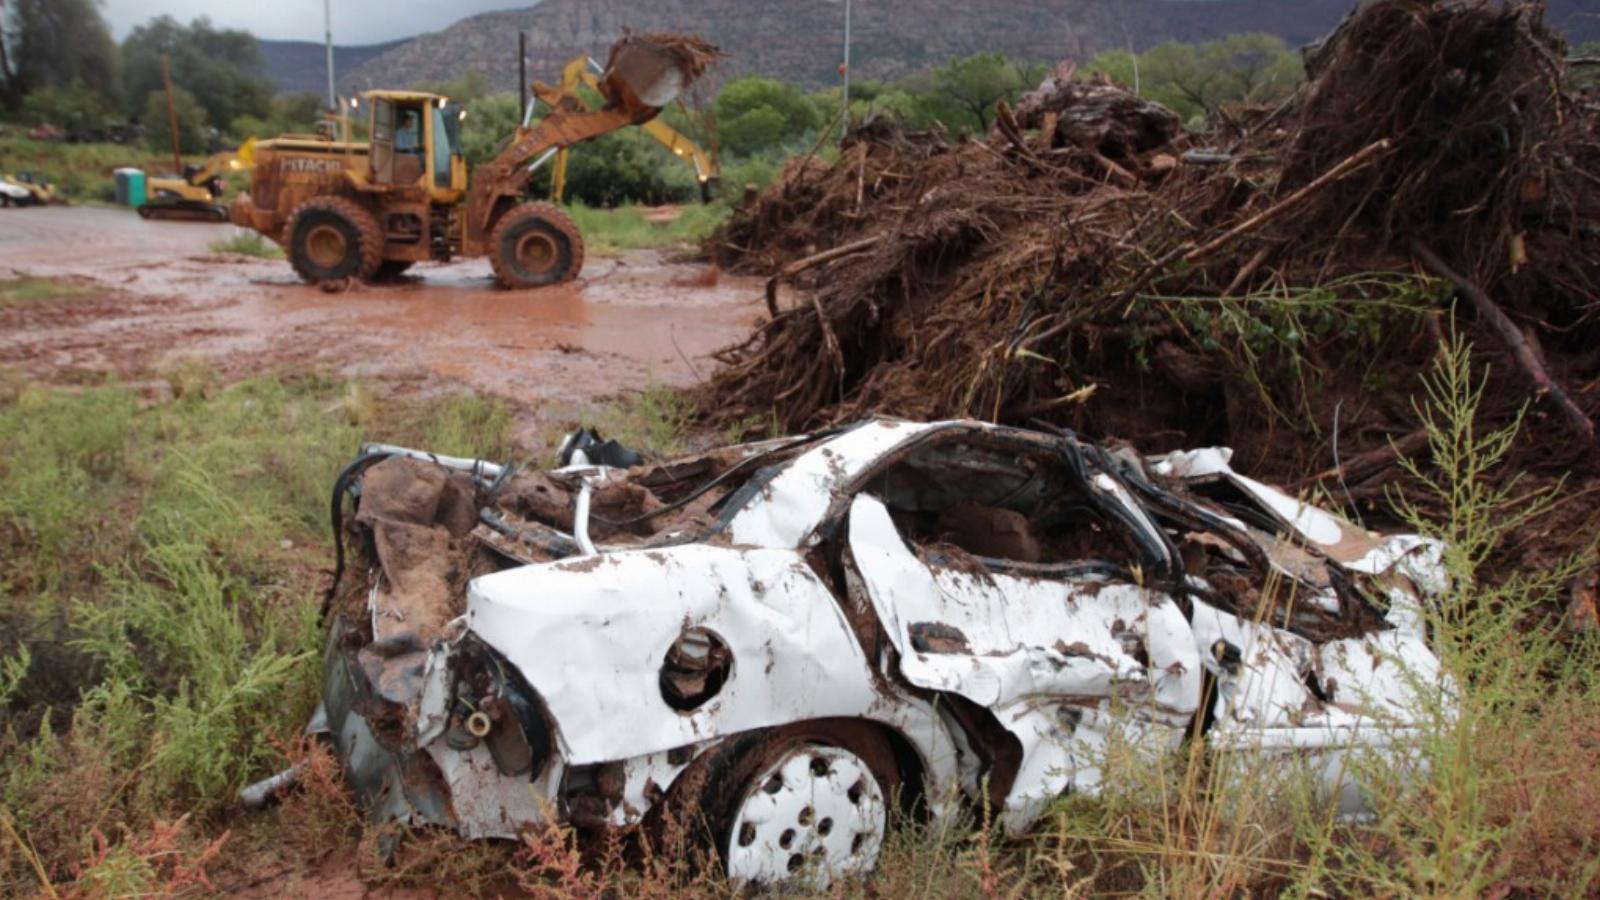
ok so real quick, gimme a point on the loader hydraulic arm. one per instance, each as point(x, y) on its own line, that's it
point(582, 70)
point(644, 74)
point(506, 176)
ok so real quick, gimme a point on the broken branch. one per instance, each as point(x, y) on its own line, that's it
point(1350, 164)
point(816, 259)
point(1523, 352)
point(1188, 253)
point(1363, 466)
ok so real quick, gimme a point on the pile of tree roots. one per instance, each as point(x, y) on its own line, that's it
point(1280, 283)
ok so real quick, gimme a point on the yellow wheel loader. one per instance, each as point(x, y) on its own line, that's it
point(347, 209)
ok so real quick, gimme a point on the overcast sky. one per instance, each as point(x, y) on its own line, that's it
point(354, 21)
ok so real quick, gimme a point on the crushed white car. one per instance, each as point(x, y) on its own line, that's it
point(789, 640)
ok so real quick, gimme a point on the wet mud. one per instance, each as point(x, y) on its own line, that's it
point(154, 291)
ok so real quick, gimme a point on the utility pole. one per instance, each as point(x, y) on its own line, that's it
point(522, 69)
point(327, 31)
point(845, 70)
point(172, 117)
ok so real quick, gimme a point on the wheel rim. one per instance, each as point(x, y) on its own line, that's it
point(537, 253)
point(326, 245)
point(815, 814)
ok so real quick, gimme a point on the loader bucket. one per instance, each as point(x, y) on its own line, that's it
point(648, 71)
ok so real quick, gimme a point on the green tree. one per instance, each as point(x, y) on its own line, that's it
point(71, 106)
point(757, 114)
point(290, 113)
point(221, 68)
point(1121, 66)
point(753, 131)
point(489, 122)
point(1200, 79)
point(191, 122)
point(964, 93)
point(623, 167)
point(53, 43)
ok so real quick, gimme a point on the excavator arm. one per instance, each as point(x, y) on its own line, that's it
point(226, 161)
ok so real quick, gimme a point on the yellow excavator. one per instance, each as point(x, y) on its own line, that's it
point(197, 192)
point(345, 209)
point(586, 70)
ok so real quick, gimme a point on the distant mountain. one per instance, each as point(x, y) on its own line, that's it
point(801, 40)
point(294, 66)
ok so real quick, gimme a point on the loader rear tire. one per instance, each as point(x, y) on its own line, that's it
point(535, 244)
point(331, 238)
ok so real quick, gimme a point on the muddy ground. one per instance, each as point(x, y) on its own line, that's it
point(157, 292)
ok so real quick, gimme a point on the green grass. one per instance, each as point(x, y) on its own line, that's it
point(159, 573)
point(248, 243)
point(654, 421)
point(607, 232)
point(159, 568)
point(18, 291)
point(81, 171)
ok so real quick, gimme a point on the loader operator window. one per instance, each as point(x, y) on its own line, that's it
point(409, 137)
point(409, 161)
point(445, 142)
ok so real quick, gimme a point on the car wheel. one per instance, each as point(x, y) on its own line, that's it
point(807, 803)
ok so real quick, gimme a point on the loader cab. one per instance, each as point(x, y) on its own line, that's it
point(416, 142)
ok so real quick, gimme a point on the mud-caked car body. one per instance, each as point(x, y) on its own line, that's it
point(786, 640)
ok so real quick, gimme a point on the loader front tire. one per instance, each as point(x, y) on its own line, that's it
point(535, 244)
point(331, 238)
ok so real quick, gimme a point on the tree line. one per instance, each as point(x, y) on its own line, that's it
point(755, 123)
point(60, 66)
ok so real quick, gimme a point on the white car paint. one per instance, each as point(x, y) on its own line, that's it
point(1067, 665)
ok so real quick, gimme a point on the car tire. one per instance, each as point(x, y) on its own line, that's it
point(808, 802)
point(535, 244)
point(333, 238)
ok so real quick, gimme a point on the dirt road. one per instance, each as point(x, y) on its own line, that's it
point(151, 291)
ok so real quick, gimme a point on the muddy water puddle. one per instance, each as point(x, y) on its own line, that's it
point(630, 321)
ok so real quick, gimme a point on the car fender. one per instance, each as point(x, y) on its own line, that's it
point(591, 635)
